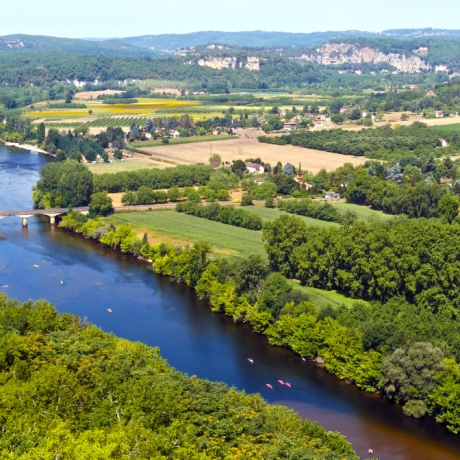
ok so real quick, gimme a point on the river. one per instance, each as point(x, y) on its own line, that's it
point(151, 309)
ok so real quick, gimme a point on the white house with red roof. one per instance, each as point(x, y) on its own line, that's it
point(443, 142)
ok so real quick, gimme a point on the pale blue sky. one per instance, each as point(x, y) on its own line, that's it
point(122, 18)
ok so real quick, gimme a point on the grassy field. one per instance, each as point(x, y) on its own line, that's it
point(453, 127)
point(239, 241)
point(324, 298)
point(269, 215)
point(184, 140)
point(362, 211)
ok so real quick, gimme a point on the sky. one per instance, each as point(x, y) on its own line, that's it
point(119, 18)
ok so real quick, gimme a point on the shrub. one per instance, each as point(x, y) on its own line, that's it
point(246, 200)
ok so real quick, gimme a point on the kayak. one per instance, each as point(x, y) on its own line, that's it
point(280, 382)
point(303, 359)
point(250, 360)
point(288, 385)
point(269, 386)
point(37, 266)
point(109, 310)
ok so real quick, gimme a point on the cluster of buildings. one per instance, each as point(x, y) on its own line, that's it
point(342, 53)
point(319, 120)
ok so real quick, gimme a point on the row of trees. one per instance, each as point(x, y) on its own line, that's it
point(225, 214)
point(182, 176)
point(307, 207)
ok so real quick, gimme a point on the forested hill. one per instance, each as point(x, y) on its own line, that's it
point(50, 66)
point(20, 43)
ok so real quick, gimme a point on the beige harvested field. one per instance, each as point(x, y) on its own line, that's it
point(249, 147)
point(95, 94)
point(166, 90)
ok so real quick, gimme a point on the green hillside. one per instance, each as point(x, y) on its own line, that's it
point(21, 43)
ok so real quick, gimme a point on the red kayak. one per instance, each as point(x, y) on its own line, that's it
point(269, 386)
point(303, 359)
point(250, 360)
point(288, 385)
point(280, 382)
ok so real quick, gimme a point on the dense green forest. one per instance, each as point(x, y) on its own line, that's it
point(59, 65)
point(70, 391)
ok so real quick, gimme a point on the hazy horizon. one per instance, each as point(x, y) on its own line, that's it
point(45, 18)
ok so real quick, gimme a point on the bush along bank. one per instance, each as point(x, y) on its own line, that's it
point(106, 397)
point(396, 348)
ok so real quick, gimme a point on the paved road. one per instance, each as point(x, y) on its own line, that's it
point(142, 207)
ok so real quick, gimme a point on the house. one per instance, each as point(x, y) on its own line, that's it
point(254, 168)
point(147, 135)
point(443, 143)
point(174, 133)
point(431, 93)
point(259, 181)
point(215, 165)
point(307, 185)
point(283, 113)
point(321, 117)
point(308, 115)
point(319, 124)
point(289, 126)
point(446, 181)
point(439, 114)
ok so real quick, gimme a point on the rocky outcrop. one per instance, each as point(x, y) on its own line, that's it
point(342, 53)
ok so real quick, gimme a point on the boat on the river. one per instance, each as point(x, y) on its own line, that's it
point(109, 310)
point(280, 382)
point(303, 359)
point(250, 360)
point(288, 385)
point(37, 266)
point(269, 386)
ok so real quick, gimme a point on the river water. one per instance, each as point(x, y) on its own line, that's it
point(151, 309)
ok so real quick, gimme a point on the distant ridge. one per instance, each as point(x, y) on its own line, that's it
point(155, 45)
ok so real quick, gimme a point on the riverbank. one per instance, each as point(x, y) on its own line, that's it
point(32, 148)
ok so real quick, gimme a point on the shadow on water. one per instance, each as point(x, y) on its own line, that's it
point(152, 309)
